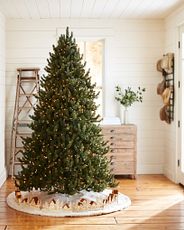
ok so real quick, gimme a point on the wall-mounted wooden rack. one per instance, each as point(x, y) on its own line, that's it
point(166, 67)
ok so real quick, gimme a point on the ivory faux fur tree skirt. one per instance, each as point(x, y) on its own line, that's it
point(81, 204)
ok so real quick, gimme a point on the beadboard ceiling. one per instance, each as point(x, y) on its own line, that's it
point(88, 8)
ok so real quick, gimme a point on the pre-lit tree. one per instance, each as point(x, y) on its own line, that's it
point(66, 152)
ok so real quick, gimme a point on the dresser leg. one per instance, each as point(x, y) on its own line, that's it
point(133, 177)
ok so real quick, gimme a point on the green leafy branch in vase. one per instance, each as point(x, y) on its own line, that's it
point(128, 96)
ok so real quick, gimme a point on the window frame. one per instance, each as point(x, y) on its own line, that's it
point(101, 87)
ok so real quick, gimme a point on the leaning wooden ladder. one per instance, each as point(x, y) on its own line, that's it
point(27, 87)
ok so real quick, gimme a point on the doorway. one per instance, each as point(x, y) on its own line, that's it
point(181, 107)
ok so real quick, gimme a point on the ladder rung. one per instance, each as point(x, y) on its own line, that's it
point(28, 94)
point(28, 69)
point(24, 121)
point(24, 134)
point(25, 107)
point(27, 78)
point(17, 162)
point(23, 125)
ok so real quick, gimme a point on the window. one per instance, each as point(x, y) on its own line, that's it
point(93, 55)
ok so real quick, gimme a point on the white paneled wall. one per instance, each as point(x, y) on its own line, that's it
point(172, 24)
point(2, 100)
point(132, 48)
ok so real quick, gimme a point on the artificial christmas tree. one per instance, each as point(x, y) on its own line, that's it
point(66, 152)
point(65, 171)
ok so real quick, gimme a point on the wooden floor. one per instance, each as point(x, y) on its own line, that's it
point(157, 203)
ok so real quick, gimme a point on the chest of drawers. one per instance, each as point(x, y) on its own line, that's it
point(122, 142)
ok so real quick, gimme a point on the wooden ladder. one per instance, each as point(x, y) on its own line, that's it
point(27, 87)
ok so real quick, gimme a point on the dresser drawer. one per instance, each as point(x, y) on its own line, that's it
point(122, 151)
point(124, 129)
point(121, 144)
point(122, 167)
point(122, 156)
point(120, 137)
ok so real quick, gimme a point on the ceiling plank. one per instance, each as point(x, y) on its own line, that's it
point(108, 8)
point(130, 10)
point(54, 8)
point(65, 8)
point(32, 8)
point(161, 9)
point(43, 8)
point(9, 9)
point(22, 9)
point(120, 6)
point(87, 8)
point(98, 8)
point(145, 8)
point(76, 8)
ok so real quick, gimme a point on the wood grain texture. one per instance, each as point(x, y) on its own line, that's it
point(157, 203)
point(3, 227)
point(100, 227)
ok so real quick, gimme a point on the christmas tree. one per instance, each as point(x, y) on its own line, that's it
point(66, 152)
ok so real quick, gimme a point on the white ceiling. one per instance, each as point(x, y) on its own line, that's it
point(88, 8)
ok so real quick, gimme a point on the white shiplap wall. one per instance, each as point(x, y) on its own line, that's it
point(132, 48)
point(2, 100)
point(172, 24)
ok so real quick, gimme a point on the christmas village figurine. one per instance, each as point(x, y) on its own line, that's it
point(55, 204)
point(18, 195)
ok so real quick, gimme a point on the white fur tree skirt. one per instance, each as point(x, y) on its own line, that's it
point(62, 205)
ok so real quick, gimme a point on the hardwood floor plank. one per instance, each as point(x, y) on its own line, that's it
point(19, 219)
point(148, 220)
point(2, 227)
point(148, 213)
point(72, 227)
point(102, 227)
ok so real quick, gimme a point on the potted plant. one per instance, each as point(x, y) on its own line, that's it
point(127, 97)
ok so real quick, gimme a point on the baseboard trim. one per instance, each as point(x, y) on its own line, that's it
point(150, 169)
point(3, 176)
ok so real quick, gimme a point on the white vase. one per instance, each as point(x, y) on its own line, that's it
point(124, 115)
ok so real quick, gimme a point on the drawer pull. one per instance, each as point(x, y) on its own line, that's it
point(112, 143)
point(112, 130)
point(111, 138)
point(112, 150)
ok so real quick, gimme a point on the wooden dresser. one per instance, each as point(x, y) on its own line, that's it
point(122, 140)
